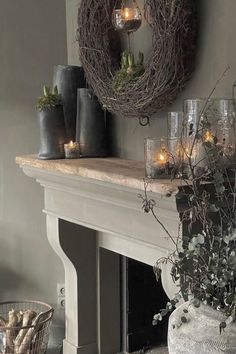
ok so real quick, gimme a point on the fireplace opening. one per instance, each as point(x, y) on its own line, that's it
point(118, 294)
point(129, 298)
point(141, 297)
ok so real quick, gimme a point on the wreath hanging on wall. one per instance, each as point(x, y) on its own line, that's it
point(167, 68)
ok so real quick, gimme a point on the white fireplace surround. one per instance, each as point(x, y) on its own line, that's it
point(102, 195)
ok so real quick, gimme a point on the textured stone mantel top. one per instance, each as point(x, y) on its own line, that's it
point(127, 173)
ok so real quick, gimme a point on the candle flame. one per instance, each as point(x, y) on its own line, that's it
point(208, 137)
point(71, 143)
point(162, 157)
point(127, 13)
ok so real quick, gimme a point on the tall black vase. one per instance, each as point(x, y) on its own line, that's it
point(91, 125)
point(68, 79)
point(52, 133)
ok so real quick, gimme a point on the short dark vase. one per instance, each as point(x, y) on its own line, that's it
point(68, 79)
point(52, 133)
point(91, 125)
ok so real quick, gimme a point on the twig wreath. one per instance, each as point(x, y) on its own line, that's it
point(167, 69)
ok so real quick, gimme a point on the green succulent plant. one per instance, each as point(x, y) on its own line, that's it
point(129, 70)
point(49, 99)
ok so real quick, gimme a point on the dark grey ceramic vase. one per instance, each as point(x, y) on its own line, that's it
point(68, 79)
point(91, 125)
point(52, 133)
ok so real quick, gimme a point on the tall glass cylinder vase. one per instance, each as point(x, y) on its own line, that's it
point(209, 133)
point(175, 124)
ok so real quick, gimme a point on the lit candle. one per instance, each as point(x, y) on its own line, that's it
point(72, 150)
point(160, 163)
point(157, 158)
point(161, 158)
point(128, 13)
point(127, 19)
point(208, 137)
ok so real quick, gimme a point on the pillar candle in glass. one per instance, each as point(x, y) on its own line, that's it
point(126, 16)
point(209, 129)
point(156, 158)
point(72, 150)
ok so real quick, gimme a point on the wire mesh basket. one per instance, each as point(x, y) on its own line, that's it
point(24, 327)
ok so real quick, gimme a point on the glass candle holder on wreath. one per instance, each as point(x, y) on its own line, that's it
point(162, 157)
point(126, 16)
point(209, 133)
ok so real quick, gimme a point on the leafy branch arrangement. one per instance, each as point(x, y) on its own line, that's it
point(204, 258)
point(49, 99)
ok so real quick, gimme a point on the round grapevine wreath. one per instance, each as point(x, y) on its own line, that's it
point(167, 68)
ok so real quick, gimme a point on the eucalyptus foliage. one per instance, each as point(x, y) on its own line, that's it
point(204, 259)
point(49, 99)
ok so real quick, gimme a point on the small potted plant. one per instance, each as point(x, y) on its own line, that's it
point(51, 125)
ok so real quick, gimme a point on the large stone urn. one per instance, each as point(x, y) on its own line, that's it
point(200, 334)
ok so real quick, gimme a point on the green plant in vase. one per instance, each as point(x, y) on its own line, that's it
point(51, 125)
point(129, 70)
point(49, 98)
point(203, 263)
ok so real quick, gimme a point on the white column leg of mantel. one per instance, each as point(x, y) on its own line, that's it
point(77, 253)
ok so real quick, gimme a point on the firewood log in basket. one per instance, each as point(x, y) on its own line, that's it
point(24, 330)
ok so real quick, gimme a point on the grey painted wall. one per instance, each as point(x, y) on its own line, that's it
point(217, 49)
point(32, 40)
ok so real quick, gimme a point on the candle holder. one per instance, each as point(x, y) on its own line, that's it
point(72, 150)
point(126, 16)
point(163, 158)
point(209, 132)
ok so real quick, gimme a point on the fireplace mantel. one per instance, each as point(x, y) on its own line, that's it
point(102, 195)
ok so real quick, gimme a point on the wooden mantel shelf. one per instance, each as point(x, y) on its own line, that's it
point(118, 171)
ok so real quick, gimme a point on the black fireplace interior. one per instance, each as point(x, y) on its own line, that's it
point(142, 297)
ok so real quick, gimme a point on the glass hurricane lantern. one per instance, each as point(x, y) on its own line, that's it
point(209, 133)
point(126, 17)
point(162, 157)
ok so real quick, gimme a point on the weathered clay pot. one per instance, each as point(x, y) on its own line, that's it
point(200, 335)
point(91, 125)
point(68, 79)
point(52, 133)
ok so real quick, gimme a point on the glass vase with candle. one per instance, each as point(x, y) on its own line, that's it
point(209, 132)
point(162, 157)
point(72, 150)
point(126, 16)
